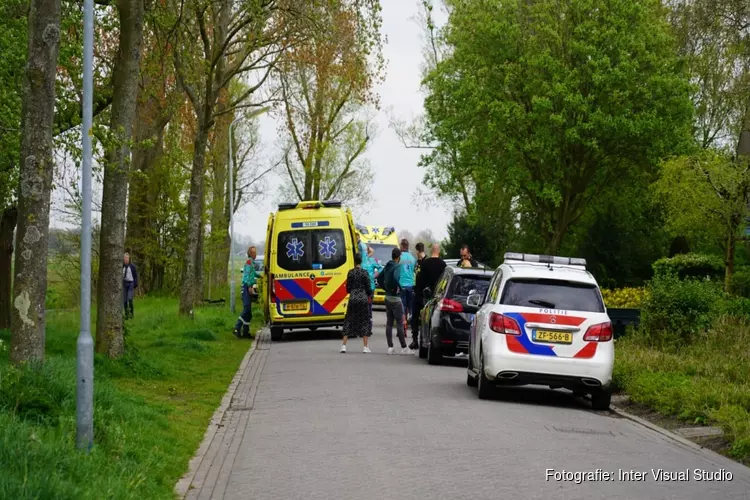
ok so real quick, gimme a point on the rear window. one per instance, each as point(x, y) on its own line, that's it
point(309, 249)
point(382, 253)
point(552, 294)
point(462, 285)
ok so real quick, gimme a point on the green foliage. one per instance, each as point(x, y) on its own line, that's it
point(704, 195)
point(532, 100)
point(151, 406)
point(690, 265)
point(706, 382)
point(741, 282)
point(675, 311)
point(13, 46)
point(485, 245)
point(620, 237)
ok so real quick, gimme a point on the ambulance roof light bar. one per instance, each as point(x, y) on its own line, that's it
point(545, 259)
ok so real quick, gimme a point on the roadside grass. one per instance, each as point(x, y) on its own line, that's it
point(152, 406)
point(706, 382)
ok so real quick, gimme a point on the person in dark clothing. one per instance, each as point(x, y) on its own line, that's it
point(430, 271)
point(416, 304)
point(358, 313)
point(394, 307)
point(466, 259)
point(129, 284)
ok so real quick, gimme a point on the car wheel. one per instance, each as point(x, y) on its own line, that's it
point(485, 389)
point(313, 328)
point(434, 356)
point(601, 399)
point(277, 333)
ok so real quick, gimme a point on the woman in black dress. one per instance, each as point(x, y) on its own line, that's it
point(357, 320)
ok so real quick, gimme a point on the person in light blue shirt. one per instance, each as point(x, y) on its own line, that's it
point(406, 279)
point(373, 269)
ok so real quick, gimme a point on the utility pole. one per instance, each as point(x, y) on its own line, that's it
point(232, 271)
point(85, 344)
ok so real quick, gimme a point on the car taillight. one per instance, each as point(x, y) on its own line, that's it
point(599, 333)
point(505, 325)
point(450, 305)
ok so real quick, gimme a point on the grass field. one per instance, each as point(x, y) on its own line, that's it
point(706, 382)
point(152, 406)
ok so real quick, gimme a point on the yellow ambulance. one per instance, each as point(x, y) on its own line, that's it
point(309, 251)
point(382, 240)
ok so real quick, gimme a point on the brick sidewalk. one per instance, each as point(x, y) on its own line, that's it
point(210, 468)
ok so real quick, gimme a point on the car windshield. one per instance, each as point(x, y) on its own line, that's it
point(382, 253)
point(552, 294)
point(462, 285)
point(311, 249)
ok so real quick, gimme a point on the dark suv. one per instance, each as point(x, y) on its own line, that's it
point(446, 318)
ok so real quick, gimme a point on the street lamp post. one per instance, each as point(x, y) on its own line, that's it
point(232, 270)
point(85, 344)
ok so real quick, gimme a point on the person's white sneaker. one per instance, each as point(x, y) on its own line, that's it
point(366, 350)
point(390, 350)
point(343, 349)
point(406, 350)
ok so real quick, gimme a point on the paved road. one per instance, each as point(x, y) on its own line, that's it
point(316, 424)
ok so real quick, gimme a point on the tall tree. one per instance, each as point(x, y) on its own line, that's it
point(324, 82)
point(534, 105)
point(109, 333)
point(37, 165)
point(233, 38)
point(714, 40)
point(13, 51)
point(159, 98)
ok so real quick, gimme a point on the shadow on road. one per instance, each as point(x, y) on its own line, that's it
point(306, 335)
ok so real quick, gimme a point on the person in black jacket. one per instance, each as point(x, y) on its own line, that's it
point(429, 273)
point(466, 259)
point(129, 284)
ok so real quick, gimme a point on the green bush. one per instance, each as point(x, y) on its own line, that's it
point(690, 265)
point(675, 310)
point(740, 284)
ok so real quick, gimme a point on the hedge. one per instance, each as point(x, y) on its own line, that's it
point(690, 265)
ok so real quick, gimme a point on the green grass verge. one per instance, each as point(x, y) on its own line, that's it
point(152, 406)
point(706, 382)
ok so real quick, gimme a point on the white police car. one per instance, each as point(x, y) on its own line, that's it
point(542, 321)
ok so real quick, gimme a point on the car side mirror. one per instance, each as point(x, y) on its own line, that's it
point(474, 300)
point(426, 294)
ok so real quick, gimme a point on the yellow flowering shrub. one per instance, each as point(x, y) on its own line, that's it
point(624, 298)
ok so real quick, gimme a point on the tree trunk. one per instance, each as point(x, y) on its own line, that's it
point(219, 222)
point(199, 261)
point(189, 290)
point(109, 308)
point(7, 226)
point(729, 269)
point(142, 238)
point(27, 322)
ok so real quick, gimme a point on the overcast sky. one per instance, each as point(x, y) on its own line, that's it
point(396, 174)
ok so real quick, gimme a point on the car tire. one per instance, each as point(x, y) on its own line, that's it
point(601, 399)
point(485, 389)
point(277, 334)
point(434, 356)
point(313, 328)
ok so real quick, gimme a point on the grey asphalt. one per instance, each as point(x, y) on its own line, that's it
point(310, 423)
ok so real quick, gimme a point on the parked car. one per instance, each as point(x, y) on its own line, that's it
point(542, 322)
point(446, 318)
point(455, 262)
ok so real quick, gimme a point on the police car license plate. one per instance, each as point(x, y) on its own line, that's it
point(295, 306)
point(553, 337)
